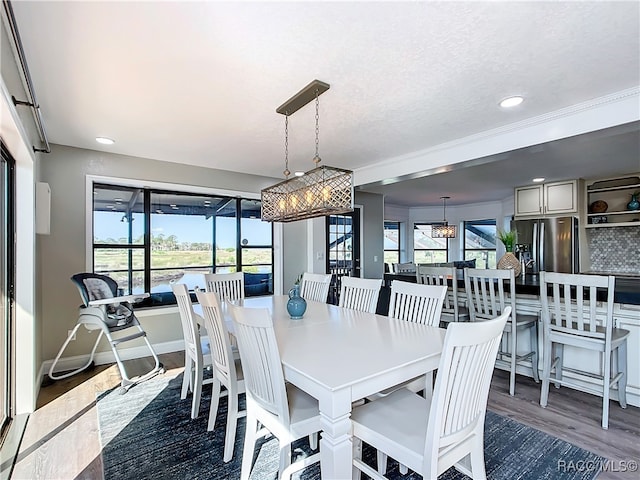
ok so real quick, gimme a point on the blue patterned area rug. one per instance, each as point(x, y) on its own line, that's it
point(148, 434)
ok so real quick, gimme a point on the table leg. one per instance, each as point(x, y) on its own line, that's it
point(336, 450)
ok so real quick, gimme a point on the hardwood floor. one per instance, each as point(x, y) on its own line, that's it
point(62, 441)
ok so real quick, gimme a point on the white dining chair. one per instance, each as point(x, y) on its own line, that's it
point(452, 311)
point(488, 294)
point(315, 286)
point(273, 406)
point(196, 349)
point(228, 286)
point(454, 426)
point(417, 303)
point(227, 371)
point(573, 315)
point(360, 293)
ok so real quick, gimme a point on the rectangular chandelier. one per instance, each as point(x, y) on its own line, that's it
point(319, 192)
point(443, 231)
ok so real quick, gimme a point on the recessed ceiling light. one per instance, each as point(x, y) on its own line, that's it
point(511, 102)
point(105, 141)
point(299, 174)
point(538, 179)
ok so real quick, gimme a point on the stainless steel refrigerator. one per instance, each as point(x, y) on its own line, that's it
point(548, 244)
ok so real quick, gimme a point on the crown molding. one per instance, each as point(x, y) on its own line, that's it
point(603, 112)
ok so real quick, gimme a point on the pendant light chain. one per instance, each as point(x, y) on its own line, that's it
point(444, 209)
point(317, 159)
point(286, 146)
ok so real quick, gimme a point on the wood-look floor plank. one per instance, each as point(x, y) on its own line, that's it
point(62, 438)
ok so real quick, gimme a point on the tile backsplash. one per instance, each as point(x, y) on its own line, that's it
point(614, 249)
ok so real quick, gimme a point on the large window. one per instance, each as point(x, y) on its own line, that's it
point(147, 239)
point(427, 249)
point(7, 262)
point(480, 242)
point(391, 242)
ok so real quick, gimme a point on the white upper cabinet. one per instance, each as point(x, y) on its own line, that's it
point(547, 199)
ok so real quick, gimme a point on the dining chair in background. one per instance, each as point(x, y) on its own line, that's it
point(572, 316)
point(227, 371)
point(452, 311)
point(196, 349)
point(360, 293)
point(455, 413)
point(417, 303)
point(228, 286)
point(315, 286)
point(488, 296)
point(273, 406)
point(404, 267)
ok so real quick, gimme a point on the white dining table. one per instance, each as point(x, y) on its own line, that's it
point(338, 356)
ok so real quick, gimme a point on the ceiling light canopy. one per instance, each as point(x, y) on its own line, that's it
point(316, 193)
point(511, 102)
point(445, 230)
point(105, 140)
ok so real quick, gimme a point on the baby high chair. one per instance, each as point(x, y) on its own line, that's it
point(104, 310)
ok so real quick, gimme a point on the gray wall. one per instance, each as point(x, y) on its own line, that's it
point(294, 261)
point(63, 252)
point(372, 233)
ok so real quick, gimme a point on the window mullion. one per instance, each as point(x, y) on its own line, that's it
point(147, 241)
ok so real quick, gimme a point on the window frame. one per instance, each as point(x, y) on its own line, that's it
point(399, 249)
point(487, 221)
point(148, 189)
point(8, 273)
point(430, 224)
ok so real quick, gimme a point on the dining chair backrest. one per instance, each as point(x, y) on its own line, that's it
point(228, 286)
point(315, 286)
point(462, 385)
point(188, 320)
point(487, 292)
point(576, 312)
point(360, 293)
point(416, 303)
point(261, 364)
point(219, 340)
point(404, 267)
point(428, 275)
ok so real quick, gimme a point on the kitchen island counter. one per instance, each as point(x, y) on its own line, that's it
point(627, 288)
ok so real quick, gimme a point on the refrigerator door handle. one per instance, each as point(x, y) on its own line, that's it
point(534, 245)
point(541, 240)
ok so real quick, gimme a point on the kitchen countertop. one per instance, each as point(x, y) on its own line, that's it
point(627, 288)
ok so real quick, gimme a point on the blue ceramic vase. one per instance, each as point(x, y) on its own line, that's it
point(634, 204)
point(296, 305)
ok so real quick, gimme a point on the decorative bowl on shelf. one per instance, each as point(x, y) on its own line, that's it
point(599, 206)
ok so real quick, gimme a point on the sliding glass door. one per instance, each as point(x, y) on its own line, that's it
point(7, 236)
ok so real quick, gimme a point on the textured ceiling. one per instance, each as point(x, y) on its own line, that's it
point(199, 82)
